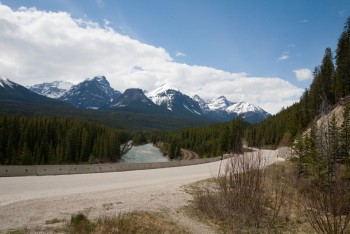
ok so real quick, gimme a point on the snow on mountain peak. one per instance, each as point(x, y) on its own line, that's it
point(220, 103)
point(55, 89)
point(163, 95)
point(161, 89)
point(202, 104)
point(98, 79)
point(6, 82)
point(243, 107)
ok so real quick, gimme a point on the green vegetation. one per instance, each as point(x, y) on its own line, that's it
point(207, 141)
point(52, 140)
point(322, 161)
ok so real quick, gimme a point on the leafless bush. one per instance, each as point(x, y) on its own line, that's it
point(239, 196)
point(277, 189)
point(327, 209)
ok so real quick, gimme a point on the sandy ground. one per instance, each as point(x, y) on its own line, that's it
point(33, 200)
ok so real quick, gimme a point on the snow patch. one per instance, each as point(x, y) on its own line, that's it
point(6, 82)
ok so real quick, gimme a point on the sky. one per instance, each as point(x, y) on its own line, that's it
point(259, 51)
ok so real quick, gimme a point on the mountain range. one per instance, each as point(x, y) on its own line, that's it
point(96, 93)
point(164, 108)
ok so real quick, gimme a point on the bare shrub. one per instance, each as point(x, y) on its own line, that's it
point(327, 209)
point(277, 188)
point(239, 197)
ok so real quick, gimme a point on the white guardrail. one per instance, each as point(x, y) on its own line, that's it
point(42, 170)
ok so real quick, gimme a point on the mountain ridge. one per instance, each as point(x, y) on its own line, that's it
point(96, 93)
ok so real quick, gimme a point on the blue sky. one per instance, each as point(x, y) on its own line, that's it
point(270, 39)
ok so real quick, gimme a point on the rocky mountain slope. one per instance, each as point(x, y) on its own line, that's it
point(55, 89)
point(96, 93)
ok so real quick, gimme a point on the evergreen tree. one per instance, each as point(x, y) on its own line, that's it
point(50, 140)
point(342, 73)
point(327, 76)
point(345, 136)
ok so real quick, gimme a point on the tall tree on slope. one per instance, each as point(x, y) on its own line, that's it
point(342, 74)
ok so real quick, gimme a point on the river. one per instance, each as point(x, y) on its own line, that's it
point(143, 154)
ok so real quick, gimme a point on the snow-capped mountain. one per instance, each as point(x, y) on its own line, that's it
point(135, 100)
point(202, 104)
point(6, 83)
point(174, 100)
point(249, 112)
point(222, 109)
point(93, 93)
point(55, 89)
point(96, 93)
point(219, 104)
point(131, 96)
point(244, 107)
point(15, 95)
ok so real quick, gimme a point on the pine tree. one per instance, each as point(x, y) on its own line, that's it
point(333, 141)
point(342, 74)
point(327, 76)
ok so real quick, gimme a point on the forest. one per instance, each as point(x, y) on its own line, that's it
point(28, 140)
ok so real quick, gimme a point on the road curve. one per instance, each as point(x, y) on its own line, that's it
point(31, 201)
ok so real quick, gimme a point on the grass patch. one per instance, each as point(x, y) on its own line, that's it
point(133, 222)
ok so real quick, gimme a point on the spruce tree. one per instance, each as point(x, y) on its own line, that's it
point(345, 136)
point(327, 76)
point(342, 74)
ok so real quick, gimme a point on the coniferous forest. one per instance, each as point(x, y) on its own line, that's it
point(52, 140)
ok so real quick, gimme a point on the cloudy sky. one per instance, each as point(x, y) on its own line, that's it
point(262, 52)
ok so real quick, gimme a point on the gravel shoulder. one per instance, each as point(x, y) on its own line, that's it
point(32, 201)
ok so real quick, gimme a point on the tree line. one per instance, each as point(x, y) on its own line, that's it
point(52, 140)
point(331, 83)
point(209, 141)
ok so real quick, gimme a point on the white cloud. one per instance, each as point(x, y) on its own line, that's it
point(303, 74)
point(38, 46)
point(180, 54)
point(284, 56)
point(304, 21)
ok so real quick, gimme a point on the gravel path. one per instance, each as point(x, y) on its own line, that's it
point(33, 200)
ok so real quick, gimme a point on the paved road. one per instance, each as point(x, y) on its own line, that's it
point(31, 201)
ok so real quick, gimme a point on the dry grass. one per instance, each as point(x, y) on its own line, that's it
point(126, 223)
point(247, 198)
point(133, 222)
